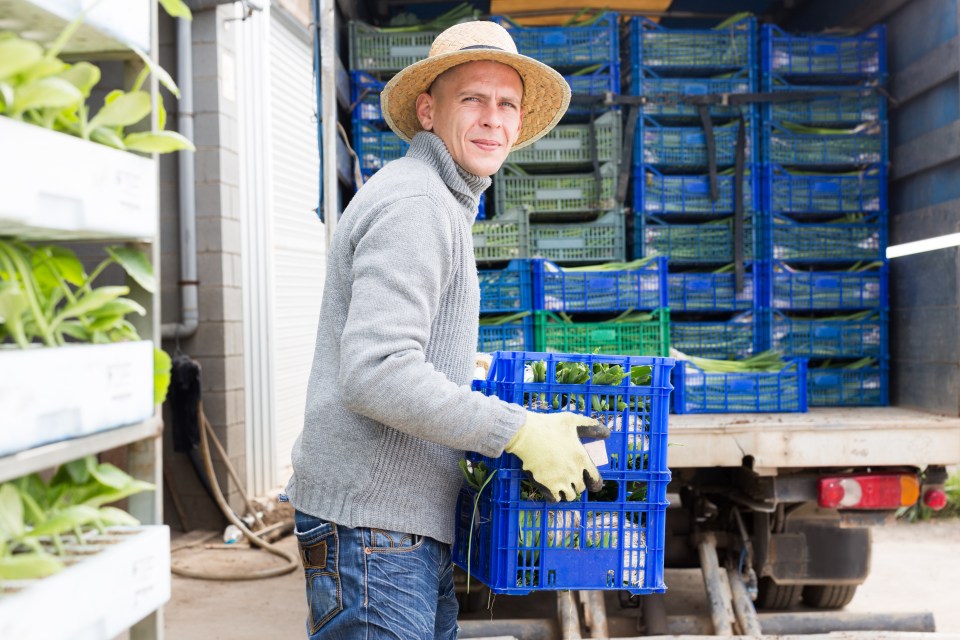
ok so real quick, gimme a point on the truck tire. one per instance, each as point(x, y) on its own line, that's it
point(828, 596)
point(771, 595)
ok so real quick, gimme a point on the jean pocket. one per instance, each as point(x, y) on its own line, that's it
point(319, 552)
point(383, 541)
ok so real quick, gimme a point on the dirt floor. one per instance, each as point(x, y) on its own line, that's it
point(915, 567)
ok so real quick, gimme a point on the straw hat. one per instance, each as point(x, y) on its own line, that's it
point(545, 93)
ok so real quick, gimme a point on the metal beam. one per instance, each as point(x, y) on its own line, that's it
point(834, 621)
point(932, 69)
point(870, 13)
point(927, 151)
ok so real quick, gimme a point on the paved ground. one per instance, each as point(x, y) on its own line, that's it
point(915, 567)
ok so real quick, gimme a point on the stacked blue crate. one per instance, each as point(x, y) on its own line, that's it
point(506, 308)
point(565, 182)
point(825, 219)
point(676, 211)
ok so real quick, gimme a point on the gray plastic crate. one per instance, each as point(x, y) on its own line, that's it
point(502, 238)
point(372, 49)
point(569, 144)
point(556, 193)
point(604, 239)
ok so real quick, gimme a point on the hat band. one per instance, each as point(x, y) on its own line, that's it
point(481, 46)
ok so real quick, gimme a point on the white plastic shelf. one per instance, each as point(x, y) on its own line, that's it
point(58, 187)
point(112, 582)
point(53, 394)
point(112, 25)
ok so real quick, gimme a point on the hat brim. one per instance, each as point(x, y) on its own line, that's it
point(546, 95)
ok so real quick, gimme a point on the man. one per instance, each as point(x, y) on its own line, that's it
point(389, 411)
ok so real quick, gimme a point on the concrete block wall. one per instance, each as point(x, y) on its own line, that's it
point(218, 343)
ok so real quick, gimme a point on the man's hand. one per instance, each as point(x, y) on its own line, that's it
point(549, 446)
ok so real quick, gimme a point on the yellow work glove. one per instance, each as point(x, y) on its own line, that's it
point(549, 446)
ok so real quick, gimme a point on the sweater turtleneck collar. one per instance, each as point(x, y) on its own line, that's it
point(465, 186)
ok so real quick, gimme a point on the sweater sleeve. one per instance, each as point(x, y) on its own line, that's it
point(402, 263)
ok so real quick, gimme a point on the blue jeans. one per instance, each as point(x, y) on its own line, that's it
point(369, 584)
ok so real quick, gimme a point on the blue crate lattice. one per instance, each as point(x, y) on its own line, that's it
point(557, 289)
point(516, 545)
point(696, 391)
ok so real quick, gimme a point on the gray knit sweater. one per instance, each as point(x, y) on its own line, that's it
point(389, 410)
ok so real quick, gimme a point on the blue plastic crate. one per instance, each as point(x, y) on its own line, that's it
point(846, 105)
point(864, 190)
point(507, 290)
point(666, 95)
point(691, 244)
point(827, 290)
point(365, 97)
point(824, 57)
point(595, 83)
point(611, 540)
point(862, 145)
point(558, 289)
point(568, 46)
point(696, 391)
point(511, 336)
point(839, 387)
point(718, 339)
point(684, 194)
point(692, 51)
point(697, 291)
point(482, 207)
point(843, 337)
point(852, 237)
point(376, 147)
point(685, 147)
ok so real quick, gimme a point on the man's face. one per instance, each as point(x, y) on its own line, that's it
point(475, 109)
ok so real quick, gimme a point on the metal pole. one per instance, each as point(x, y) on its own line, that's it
point(595, 613)
point(568, 616)
point(835, 621)
point(328, 116)
point(717, 596)
point(743, 606)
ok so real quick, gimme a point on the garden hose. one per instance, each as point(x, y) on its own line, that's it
point(206, 431)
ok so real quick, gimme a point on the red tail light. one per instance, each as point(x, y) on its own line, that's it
point(935, 499)
point(886, 491)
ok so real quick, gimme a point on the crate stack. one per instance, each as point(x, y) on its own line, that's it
point(676, 211)
point(561, 189)
point(506, 308)
point(564, 186)
point(508, 537)
point(619, 309)
point(376, 56)
point(825, 210)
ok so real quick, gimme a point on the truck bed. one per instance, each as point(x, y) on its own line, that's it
point(824, 437)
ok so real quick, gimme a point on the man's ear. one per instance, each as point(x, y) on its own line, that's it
point(425, 111)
